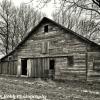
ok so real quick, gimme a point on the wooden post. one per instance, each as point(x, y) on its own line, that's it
point(19, 67)
point(8, 68)
point(29, 68)
point(86, 65)
point(0, 68)
point(93, 64)
point(86, 61)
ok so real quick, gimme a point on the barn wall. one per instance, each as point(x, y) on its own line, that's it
point(93, 66)
point(55, 43)
point(8, 65)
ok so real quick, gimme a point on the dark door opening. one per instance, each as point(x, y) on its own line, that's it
point(24, 66)
point(51, 69)
point(52, 64)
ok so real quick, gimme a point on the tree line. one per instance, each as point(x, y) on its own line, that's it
point(15, 22)
point(81, 16)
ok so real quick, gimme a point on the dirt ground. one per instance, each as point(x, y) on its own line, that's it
point(12, 88)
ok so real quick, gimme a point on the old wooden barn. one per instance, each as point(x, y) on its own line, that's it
point(53, 51)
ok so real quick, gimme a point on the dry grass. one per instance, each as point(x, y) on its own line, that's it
point(69, 90)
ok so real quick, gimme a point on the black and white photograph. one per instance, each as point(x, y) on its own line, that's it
point(49, 49)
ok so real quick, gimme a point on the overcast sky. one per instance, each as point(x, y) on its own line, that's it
point(48, 9)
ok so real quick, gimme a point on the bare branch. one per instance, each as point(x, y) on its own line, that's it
point(29, 2)
point(97, 2)
point(83, 7)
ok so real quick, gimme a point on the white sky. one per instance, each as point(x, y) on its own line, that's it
point(48, 9)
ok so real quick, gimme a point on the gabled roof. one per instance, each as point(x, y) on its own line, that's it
point(45, 19)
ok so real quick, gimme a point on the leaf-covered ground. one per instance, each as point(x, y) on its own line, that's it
point(12, 88)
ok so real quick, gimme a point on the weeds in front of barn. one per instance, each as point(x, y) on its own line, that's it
point(48, 89)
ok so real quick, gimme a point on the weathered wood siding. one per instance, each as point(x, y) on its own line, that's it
point(57, 44)
point(40, 67)
point(93, 66)
point(8, 65)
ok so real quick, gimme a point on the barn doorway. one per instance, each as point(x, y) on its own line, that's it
point(52, 68)
point(52, 64)
point(24, 66)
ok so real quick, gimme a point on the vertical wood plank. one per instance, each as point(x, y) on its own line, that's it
point(41, 67)
point(33, 68)
point(19, 67)
point(29, 68)
point(0, 68)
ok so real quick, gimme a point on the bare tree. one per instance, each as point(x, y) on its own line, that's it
point(5, 15)
point(97, 2)
point(89, 29)
point(28, 17)
point(78, 21)
point(66, 19)
point(15, 24)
